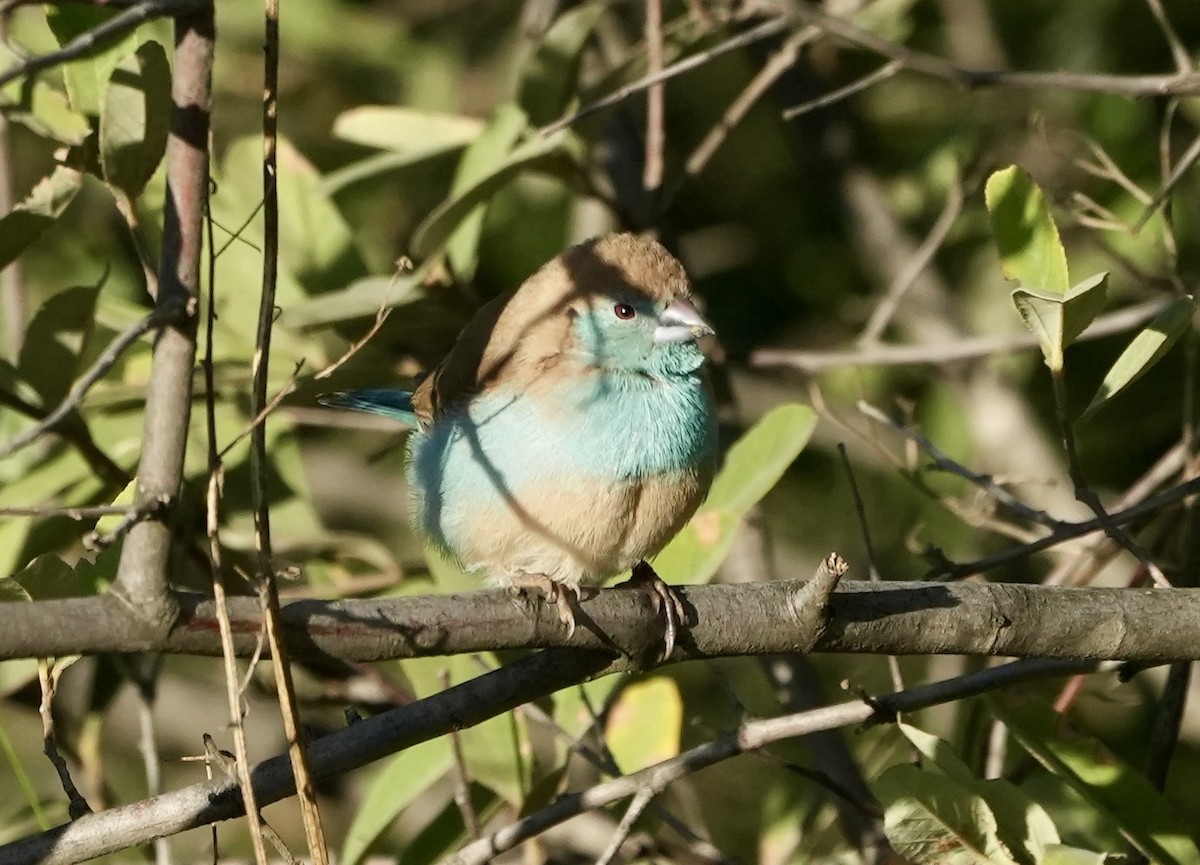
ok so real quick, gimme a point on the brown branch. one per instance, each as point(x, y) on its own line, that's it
point(48, 673)
point(909, 618)
point(751, 736)
point(142, 575)
point(652, 167)
point(75, 431)
point(956, 351)
point(1174, 84)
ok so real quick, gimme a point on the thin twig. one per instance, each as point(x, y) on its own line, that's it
point(147, 509)
point(98, 37)
point(881, 316)
point(957, 351)
point(753, 735)
point(778, 63)
point(1178, 84)
point(268, 591)
point(641, 800)
point(216, 475)
point(74, 430)
point(941, 462)
point(228, 764)
point(160, 317)
point(1179, 53)
point(883, 73)
point(259, 419)
point(462, 778)
point(48, 673)
point(652, 169)
point(749, 37)
point(85, 512)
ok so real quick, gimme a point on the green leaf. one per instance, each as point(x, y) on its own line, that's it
point(1023, 826)
point(549, 80)
point(1144, 350)
point(404, 779)
point(135, 119)
point(490, 162)
point(40, 107)
point(1030, 250)
point(48, 577)
point(23, 224)
point(407, 131)
point(1058, 319)
point(644, 725)
point(1140, 813)
point(54, 341)
point(752, 467)
point(87, 78)
point(931, 820)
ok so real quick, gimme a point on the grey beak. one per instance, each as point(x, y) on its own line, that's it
point(680, 322)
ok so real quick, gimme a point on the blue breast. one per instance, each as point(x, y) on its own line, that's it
point(612, 427)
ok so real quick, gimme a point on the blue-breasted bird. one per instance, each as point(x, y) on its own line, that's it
point(570, 433)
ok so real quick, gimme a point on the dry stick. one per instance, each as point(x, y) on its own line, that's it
point(139, 513)
point(883, 73)
point(957, 351)
point(1186, 161)
point(776, 65)
point(941, 462)
point(142, 571)
point(268, 591)
point(84, 512)
point(641, 800)
point(753, 735)
point(227, 763)
point(93, 40)
point(233, 693)
point(1179, 53)
point(160, 317)
point(881, 316)
point(462, 778)
point(860, 509)
point(1177, 84)
point(48, 674)
point(749, 37)
point(652, 170)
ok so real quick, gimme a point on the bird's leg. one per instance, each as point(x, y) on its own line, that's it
point(563, 595)
point(666, 602)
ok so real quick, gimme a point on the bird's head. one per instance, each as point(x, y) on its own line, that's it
point(631, 308)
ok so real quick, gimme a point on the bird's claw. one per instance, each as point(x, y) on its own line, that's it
point(562, 595)
point(667, 603)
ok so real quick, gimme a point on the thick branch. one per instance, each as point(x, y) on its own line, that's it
point(919, 618)
point(143, 570)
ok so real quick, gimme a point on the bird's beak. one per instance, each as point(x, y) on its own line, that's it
point(680, 322)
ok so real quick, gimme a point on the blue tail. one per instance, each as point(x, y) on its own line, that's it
point(396, 404)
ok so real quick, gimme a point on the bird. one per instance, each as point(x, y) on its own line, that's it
point(571, 431)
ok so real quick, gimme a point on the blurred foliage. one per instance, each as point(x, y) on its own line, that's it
point(411, 131)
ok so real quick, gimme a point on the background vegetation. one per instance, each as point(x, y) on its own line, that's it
point(844, 255)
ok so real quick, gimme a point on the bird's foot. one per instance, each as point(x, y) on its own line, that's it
point(562, 595)
point(666, 601)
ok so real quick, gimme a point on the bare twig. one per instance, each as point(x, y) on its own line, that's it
point(227, 763)
point(956, 351)
point(751, 736)
point(161, 317)
point(749, 37)
point(941, 462)
point(75, 431)
point(93, 40)
point(1179, 53)
point(881, 316)
point(641, 799)
point(48, 673)
point(86, 512)
point(462, 778)
point(268, 591)
point(883, 73)
point(233, 693)
point(1180, 83)
point(652, 169)
point(134, 515)
point(779, 62)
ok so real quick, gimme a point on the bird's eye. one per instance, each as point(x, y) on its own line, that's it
point(624, 311)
